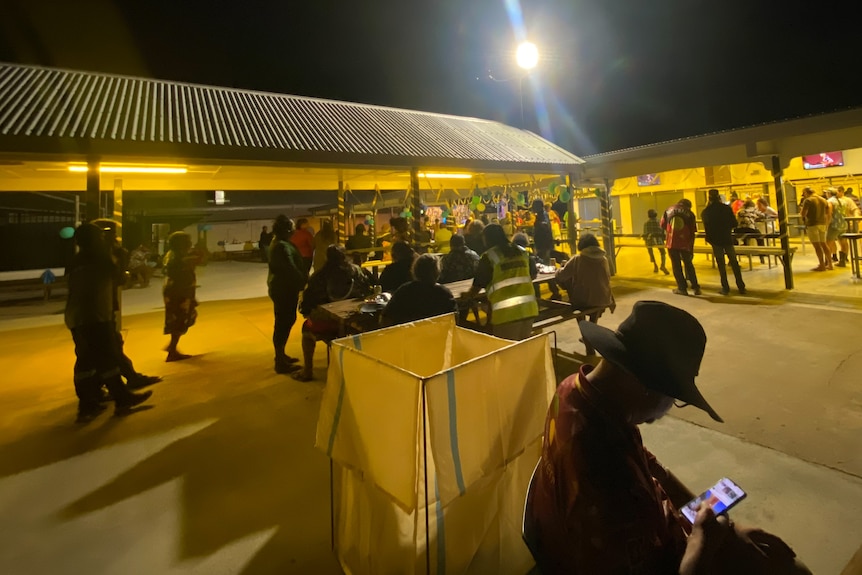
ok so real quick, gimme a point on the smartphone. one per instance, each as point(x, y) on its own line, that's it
point(720, 497)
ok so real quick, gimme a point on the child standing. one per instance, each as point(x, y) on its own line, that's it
point(654, 238)
point(48, 278)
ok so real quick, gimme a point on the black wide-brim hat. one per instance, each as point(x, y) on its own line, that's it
point(660, 345)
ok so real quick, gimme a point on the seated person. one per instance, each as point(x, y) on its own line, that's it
point(600, 502)
point(359, 241)
point(338, 279)
point(587, 276)
point(421, 298)
point(460, 263)
point(139, 270)
point(398, 272)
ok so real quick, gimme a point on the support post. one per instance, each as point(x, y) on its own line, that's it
point(341, 232)
point(415, 199)
point(117, 208)
point(91, 196)
point(781, 203)
point(572, 217)
point(607, 226)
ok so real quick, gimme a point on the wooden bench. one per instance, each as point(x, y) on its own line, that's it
point(745, 251)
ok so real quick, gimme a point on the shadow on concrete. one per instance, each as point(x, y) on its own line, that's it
point(253, 469)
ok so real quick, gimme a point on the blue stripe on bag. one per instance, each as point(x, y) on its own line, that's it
point(357, 342)
point(441, 533)
point(453, 431)
point(338, 404)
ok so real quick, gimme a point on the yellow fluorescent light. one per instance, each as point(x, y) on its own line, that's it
point(445, 176)
point(133, 169)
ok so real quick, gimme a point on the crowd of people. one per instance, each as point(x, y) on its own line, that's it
point(600, 502)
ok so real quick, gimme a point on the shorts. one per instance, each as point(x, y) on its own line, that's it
point(832, 234)
point(817, 234)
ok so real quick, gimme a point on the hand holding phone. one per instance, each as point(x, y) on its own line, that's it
point(720, 497)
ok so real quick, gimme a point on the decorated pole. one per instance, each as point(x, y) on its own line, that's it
point(607, 225)
point(415, 198)
point(339, 212)
point(571, 216)
point(92, 196)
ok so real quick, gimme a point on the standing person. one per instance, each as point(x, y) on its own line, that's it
point(421, 298)
point(849, 194)
point(89, 315)
point(841, 208)
point(556, 223)
point(121, 259)
point(359, 241)
point(719, 222)
point(600, 502)
point(442, 239)
point(285, 281)
point(679, 225)
point(507, 275)
point(263, 244)
point(735, 202)
point(816, 215)
point(303, 239)
point(654, 237)
point(322, 240)
point(179, 292)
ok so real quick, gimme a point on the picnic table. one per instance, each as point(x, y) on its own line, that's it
point(351, 320)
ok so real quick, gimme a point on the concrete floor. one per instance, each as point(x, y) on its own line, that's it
point(220, 476)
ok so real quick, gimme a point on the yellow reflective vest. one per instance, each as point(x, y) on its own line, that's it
point(510, 292)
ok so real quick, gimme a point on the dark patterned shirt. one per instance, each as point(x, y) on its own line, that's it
point(459, 264)
point(653, 234)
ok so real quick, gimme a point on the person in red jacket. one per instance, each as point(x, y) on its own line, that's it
point(303, 239)
point(679, 226)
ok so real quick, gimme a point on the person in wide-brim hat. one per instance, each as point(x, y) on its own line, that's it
point(661, 346)
point(598, 489)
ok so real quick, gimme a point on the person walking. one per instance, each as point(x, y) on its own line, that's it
point(719, 222)
point(679, 225)
point(89, 315)
point(654, 238)
point(286, 279)
point(179, 292)
point(506, 273)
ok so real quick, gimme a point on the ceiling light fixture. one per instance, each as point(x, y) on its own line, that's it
point(132, 169)
point(445, 176)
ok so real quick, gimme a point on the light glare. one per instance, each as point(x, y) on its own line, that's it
point(132, 169)
point(527, 55)
point(445, 176)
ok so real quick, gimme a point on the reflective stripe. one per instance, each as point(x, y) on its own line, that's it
point(512, 301)
point(493, 255)
point(508, 282)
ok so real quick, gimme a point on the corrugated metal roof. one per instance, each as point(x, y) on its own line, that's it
point(47, 103)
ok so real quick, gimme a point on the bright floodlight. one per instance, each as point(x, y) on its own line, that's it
point(527, 55)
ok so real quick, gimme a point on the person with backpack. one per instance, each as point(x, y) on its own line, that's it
point(842, 208)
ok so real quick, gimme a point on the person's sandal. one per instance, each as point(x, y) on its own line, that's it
point(301, 376)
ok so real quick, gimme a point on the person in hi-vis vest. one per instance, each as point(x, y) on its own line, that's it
point(506, 272)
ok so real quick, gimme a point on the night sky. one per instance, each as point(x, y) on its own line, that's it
point(614, 73)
